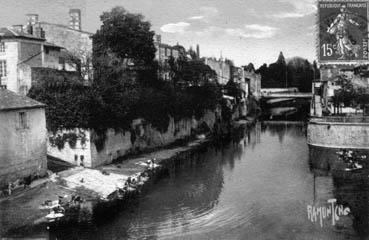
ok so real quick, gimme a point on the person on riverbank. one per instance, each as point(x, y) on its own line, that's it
point(10, 189)
point(128, 182)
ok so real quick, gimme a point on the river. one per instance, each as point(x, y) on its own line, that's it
point(258, 186)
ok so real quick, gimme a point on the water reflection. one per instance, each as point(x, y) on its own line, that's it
point(350, 188)
point(255, 186)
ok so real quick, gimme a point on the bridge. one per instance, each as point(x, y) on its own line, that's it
point(288, 95)
point(279, 95)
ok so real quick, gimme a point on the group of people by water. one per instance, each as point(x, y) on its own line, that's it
point(132, 182)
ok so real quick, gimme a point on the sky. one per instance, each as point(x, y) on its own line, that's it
point(241, 30)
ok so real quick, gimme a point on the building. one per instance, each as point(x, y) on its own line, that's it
point(222, 69)
point(75, 21)
point(76, 43)
point(22, 137)
point(237, 74)
point(253, 80)
point(163, 53)
point(20, 51)
point(336, 121)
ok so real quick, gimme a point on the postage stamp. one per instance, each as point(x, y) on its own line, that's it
point(343, 32)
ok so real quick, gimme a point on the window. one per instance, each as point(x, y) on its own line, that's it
point(62, 63)
point(2, 47)
point(22, 120)
point(2, 68)
point(82, 158)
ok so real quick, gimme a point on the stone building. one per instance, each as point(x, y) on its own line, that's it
point(19, 52)
point(253, 80)
point(22, 137)
point(335, 122)
point(222, 67)
point(163, 53)
point(76, 43)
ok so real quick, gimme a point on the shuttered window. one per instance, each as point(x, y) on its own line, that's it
point(2, 47)
point(2, 68)
point(22, 119)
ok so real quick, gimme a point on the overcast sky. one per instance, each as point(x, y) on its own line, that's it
point(242, 30)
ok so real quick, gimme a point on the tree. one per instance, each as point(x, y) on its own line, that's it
point(297, 72)
point(316, 72)
point(125, 35)
point(191, 72)
point(250, 67)
point(300, 74)
point(281, 60)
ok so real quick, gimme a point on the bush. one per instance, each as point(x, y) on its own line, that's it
point(116, 106)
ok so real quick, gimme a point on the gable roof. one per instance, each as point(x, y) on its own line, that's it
point(12, 101)
point(7, 32)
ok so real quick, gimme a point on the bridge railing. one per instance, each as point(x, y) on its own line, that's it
point(283, 95)
point(341, 119)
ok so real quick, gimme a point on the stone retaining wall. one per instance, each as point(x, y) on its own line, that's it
point(117, 144)
point(338, 135)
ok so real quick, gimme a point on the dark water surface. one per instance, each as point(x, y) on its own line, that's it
point(257, 187)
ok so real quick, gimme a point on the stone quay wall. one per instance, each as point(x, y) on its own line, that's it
point(118, 144)
point(353, 135)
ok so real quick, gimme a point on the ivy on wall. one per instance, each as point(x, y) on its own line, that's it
point(72, 105)
point(60, 139)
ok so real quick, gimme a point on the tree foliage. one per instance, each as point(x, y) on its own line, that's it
point(350, 95)
point(190, 72)
point(296, 72)
point(125, 85)
point(126, 35)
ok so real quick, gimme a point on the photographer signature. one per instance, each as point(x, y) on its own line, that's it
point(332, 211)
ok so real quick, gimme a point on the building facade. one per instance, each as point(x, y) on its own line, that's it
point(222, 69)
point(77, 43)
point(339, 119)
point(19, 52)
point(253, 80)
point(162, 55)
point(22, 138)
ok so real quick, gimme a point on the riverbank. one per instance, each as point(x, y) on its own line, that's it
point(22, 210)
point(212, 193)
point(99, 188)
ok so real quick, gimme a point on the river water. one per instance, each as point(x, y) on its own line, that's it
point(258, 186)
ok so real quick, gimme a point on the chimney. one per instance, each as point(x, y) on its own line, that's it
point(75, 19)
point(198, 51)
point(38, 32)
point(32, 19)
point(158, 38)
point(29, 29)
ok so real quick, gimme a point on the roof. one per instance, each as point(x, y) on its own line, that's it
point(14, 33)
point(49, 44)
point(9, 33)
point(65, 26)
point(12, 101)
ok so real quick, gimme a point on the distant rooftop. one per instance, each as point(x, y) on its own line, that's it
point(65, 26)
point(12, 101)
point(8, 32)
